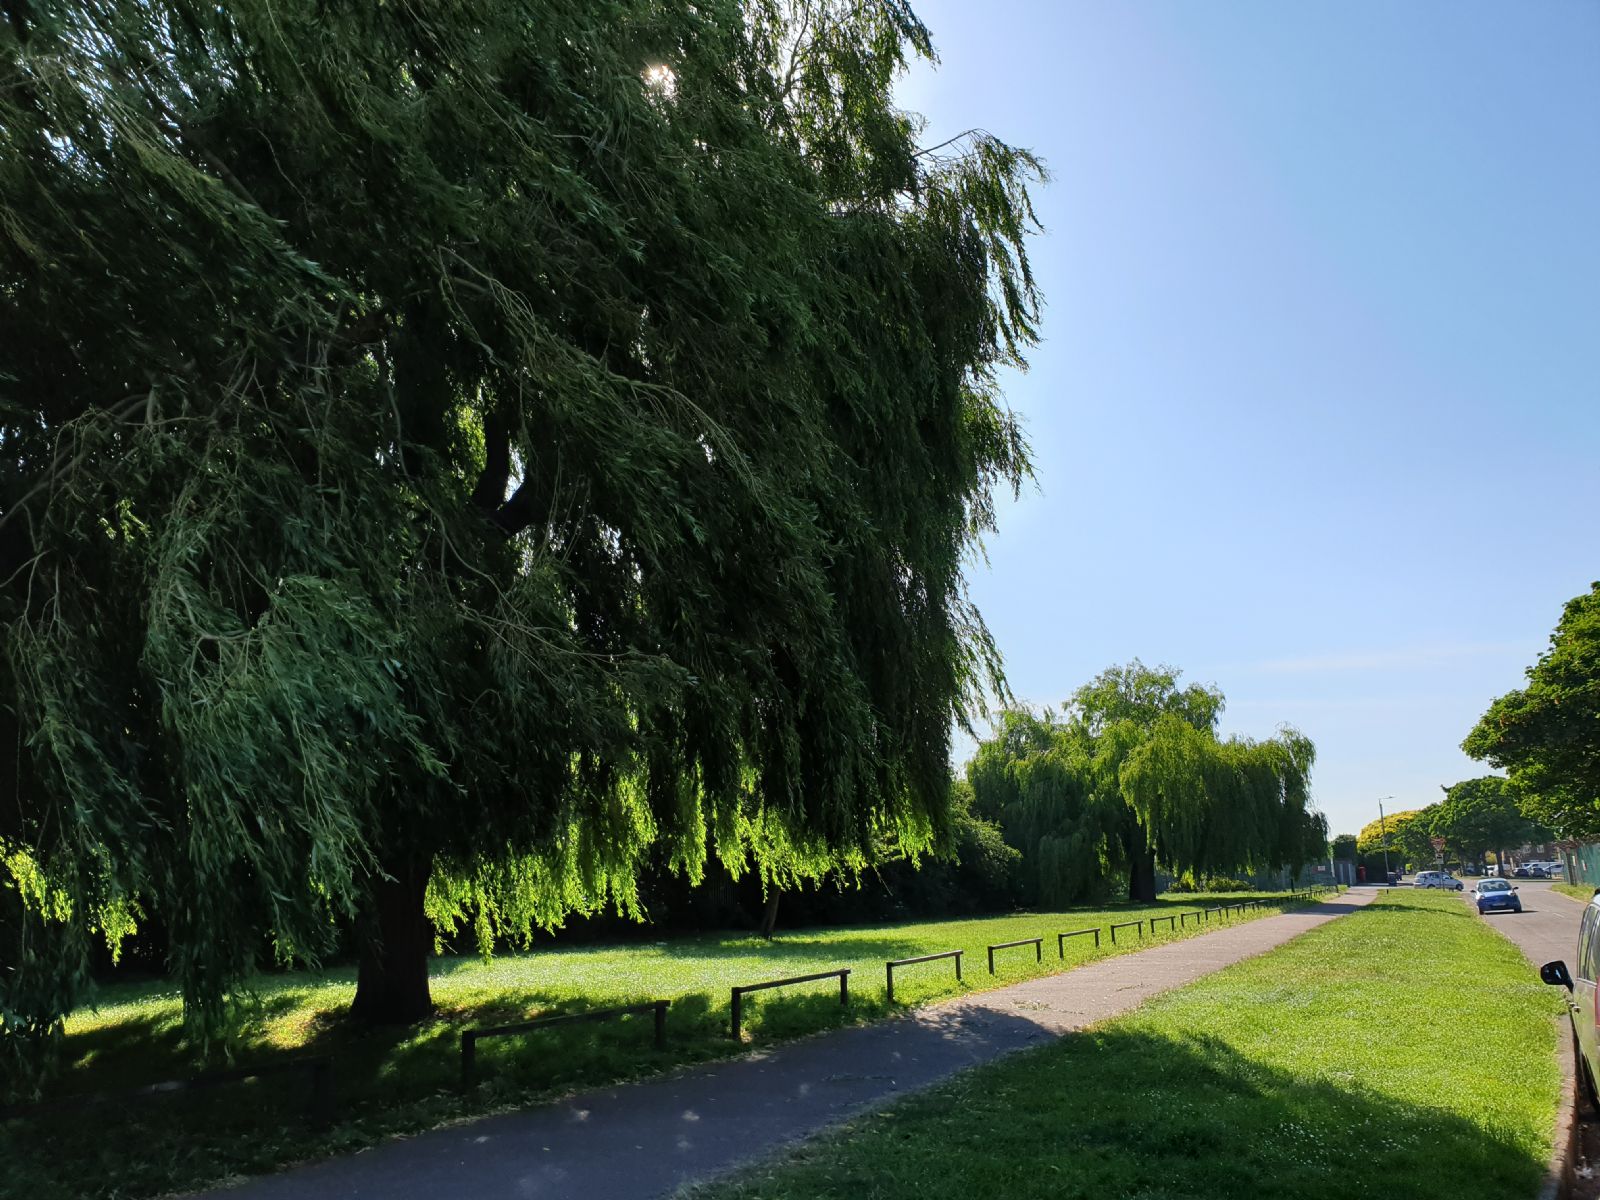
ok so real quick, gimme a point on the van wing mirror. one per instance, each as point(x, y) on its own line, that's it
point(1556, 974)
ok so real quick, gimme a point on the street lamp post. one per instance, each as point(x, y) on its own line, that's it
point(1383, 833)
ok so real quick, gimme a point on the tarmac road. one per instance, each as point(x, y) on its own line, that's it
point(1547, 926)
point(1547, 929)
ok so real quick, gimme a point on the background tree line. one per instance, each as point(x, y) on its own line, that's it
point(1546, 736)
point(1476, 817)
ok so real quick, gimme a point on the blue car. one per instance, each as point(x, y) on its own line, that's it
point(1496, 895)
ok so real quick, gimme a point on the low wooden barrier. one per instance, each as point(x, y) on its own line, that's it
point(1172, 923)
point(1037, 944)
point(843, 976)
point(471, 1037)
point(889, 966)
point(1127, 925)
point(1061, 939)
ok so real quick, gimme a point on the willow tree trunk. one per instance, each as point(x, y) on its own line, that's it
point(392, 982)
point(769, 919)
point(1141, 867)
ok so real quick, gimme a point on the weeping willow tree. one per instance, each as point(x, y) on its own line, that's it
point(1130, 775)
point(1036, 784)
point(447, 451)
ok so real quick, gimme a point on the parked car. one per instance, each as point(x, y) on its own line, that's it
point(1523, 872)
point(1581, 996)
point(1436, 879)
point(1496, 895)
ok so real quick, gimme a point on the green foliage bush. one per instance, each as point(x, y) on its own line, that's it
point(1188, 884)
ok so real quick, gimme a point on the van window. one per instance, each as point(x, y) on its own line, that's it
point(1586, 954)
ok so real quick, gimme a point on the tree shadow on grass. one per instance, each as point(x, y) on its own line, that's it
point(391, 1080)
point(385, 1080)
point(1119, 1113)
point(148, 1044)
point(808, 944)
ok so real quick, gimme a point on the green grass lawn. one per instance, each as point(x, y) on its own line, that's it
point(1578, 891)
point(1403, 1051)
point(392, 1081)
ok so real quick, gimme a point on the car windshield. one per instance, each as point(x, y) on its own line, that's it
point(1494, 885)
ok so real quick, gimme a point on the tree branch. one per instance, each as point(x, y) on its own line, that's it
point(490, 492)
point(17, 13)
point(516, 514)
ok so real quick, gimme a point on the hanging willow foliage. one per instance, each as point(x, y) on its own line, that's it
point(1132, 769)
point(496, 436)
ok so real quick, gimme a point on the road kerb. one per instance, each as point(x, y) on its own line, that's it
point(1564, 1150)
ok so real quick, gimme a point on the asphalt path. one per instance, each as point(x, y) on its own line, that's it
point(646, 1140)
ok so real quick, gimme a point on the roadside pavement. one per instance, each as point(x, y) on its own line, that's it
point(644, 1140)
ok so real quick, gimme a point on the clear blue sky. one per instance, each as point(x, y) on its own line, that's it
point(1317, 413)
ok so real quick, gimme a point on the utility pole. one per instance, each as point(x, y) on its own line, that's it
point(1383, 828)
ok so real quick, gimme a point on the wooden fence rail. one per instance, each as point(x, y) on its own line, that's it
point(1061, 939)
point(1037, 944)
point(471, 1037)
point(843, 975)
point(921, 958)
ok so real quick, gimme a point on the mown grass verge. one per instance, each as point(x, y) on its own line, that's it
point(1405, 1050)
point(1578, 891)
point(397, 1081)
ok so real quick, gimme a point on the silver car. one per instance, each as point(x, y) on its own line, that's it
point(1437, 879)
point(1581, 996)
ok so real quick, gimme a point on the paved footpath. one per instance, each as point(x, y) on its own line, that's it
point(645, 1140)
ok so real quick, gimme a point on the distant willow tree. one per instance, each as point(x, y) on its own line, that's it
point(447, 450)
point(1130, 775)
